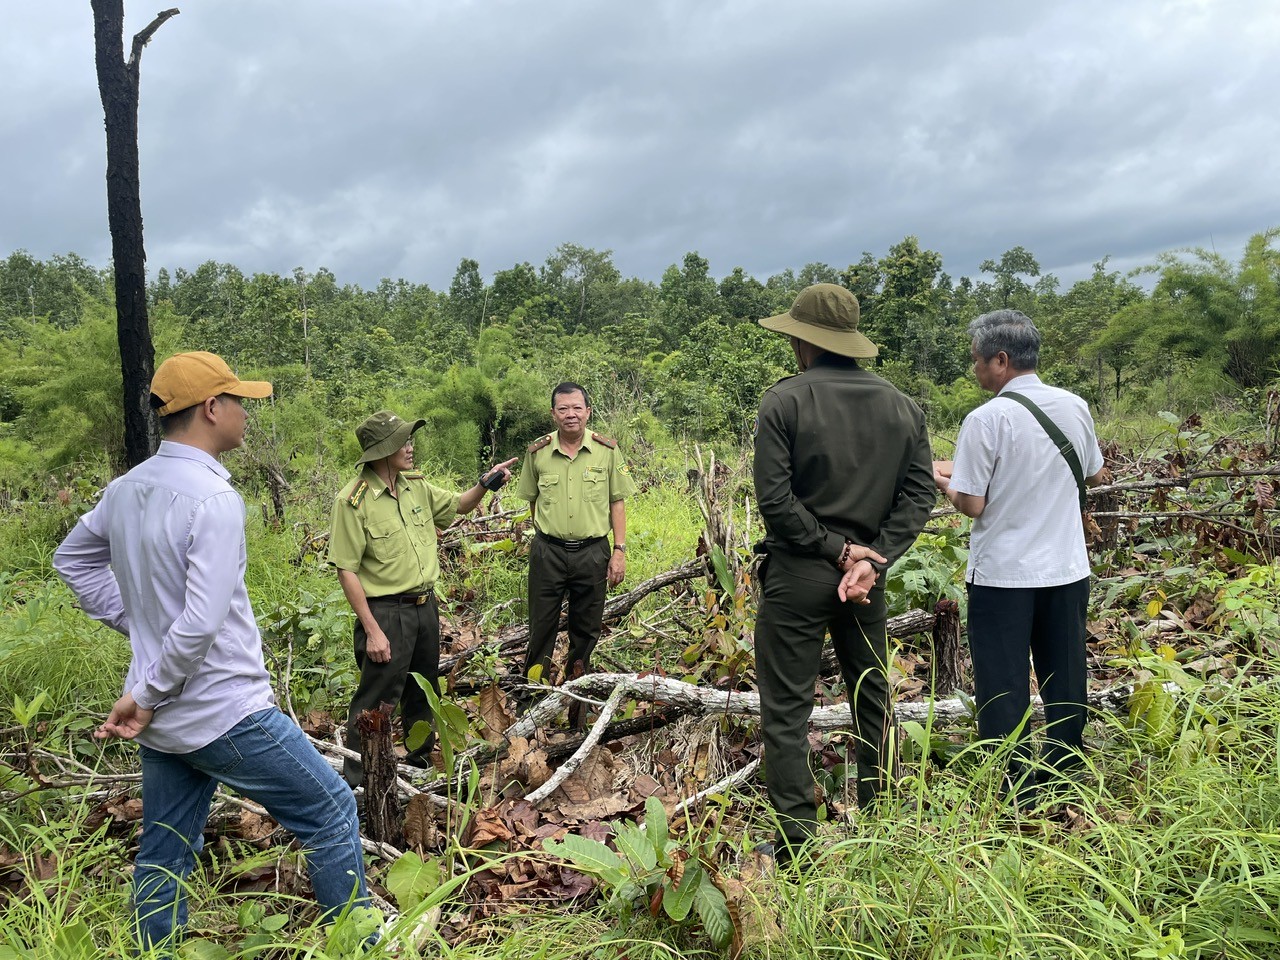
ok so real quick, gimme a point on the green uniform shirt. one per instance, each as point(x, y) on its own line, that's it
point(571, 495)
point(390, 543)
point(841, 453)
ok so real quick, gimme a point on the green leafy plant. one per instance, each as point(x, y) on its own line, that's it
point(930, 571)
point(652, 870)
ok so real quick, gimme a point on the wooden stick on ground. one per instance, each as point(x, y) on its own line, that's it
point(565, 769)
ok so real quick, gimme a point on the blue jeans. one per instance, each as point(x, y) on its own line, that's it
point(268, 759)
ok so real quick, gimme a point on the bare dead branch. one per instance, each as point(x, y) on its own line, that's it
point(143, 37)
point(738, 776)
point(566, 769)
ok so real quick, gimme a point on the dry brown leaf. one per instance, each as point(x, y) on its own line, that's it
point(421, 830)
point(493, 711)
point(487, 828)
point(525, 764)
point(593, 778)
point(255, 826)
point(597, 808)
point(645, 787)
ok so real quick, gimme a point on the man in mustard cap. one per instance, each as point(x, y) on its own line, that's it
point(382, 540)
point(161, 559)
point(844, 480)
point(576, 482)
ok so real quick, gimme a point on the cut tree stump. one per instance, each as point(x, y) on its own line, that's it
point(383, 818)
point(947, 666)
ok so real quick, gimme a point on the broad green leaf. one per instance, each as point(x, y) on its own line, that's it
point(250, 914)
point(274, 922)
point(411, 879)
point(417, 735)
point(655, 823)
point(75, 942)
point(714, 912)
point(589, 856)
point(721, 565)
point(678, 901)
point(196, 950)
point(633, 843)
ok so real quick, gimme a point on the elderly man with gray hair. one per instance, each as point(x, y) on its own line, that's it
point(1022, 461)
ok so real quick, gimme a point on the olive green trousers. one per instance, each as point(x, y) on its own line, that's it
point(799, 608)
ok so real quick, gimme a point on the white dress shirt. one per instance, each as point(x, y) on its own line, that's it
point(161, 559)
point(1029, 533)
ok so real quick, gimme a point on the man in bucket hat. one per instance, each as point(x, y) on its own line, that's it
point(844, 480)
point(382, 540)
point(161, 559)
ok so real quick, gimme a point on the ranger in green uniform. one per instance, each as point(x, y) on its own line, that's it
point(382, 540)
point(844, 480)
point(576, 483)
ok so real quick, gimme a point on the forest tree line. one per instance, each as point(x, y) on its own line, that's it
point(477, 360)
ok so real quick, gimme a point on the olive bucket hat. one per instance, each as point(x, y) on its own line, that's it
point(825, 315)
point(383, 433)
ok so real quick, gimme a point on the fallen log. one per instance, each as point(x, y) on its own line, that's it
point(692, 699)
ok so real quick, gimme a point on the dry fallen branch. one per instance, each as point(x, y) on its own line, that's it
point(614, 610)
point(746, 703)
point(735, 778)
point(567, 768)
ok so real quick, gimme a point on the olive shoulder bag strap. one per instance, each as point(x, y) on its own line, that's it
point(1059, 440)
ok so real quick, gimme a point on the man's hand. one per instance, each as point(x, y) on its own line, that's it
point(858, 553)
point(857, 582)
point(503, 469)
point(942, 474)
point(127, 720)
point(376, 645)
point(617, 567)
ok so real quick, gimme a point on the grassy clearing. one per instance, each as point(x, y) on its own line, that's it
point(1169, 848)
point(1162, 852)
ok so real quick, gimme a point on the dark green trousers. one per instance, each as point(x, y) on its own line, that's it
point(556, 573)
point(414, 634)
point(800, 606)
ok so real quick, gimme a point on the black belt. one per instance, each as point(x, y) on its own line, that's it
point(412, 599)
point(571, 544)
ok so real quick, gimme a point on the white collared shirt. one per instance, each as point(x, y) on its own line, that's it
point(1029, 533)
point(161, 558)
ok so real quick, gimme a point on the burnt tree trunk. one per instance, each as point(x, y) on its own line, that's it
point(948, 665)
point(118, 87)
point(383, 820)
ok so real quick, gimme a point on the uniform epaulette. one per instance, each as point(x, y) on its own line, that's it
point(414, 475)
point(357, 495)
point(607, 441)
point(790, 376)
point(539, 444)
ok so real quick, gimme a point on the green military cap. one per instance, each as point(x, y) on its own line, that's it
point(383, 433)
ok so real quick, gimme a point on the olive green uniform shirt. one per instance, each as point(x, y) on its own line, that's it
point(571, 496)
point(841, 453)
point(390, 543)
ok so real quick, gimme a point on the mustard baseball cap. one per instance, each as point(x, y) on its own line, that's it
point(186, 379)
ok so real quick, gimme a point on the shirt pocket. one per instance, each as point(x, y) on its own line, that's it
point(595, 485)
point(549, 488)
point(387, 540)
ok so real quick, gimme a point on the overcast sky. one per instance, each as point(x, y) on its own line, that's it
point(387, 138)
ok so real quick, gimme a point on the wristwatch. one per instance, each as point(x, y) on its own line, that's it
point(620, 547)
